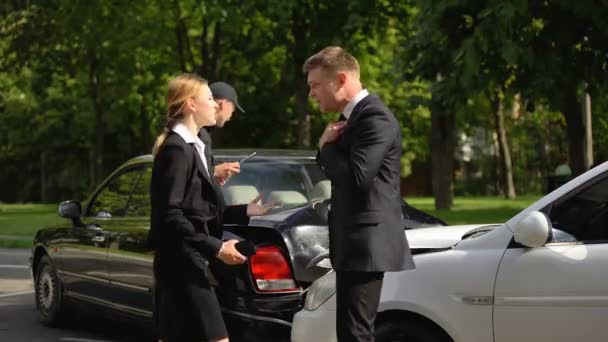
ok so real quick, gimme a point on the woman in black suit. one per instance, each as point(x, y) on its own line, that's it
point(188, 211)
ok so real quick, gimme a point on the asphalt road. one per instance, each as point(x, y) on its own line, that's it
point(18, 317)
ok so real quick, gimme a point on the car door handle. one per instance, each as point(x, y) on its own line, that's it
point(93, 226)
point(99, 238)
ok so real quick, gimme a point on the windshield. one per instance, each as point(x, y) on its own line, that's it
point(291, 183)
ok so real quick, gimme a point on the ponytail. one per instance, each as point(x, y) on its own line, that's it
point(159, 141)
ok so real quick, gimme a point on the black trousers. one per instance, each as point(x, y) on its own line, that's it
point(358, 296)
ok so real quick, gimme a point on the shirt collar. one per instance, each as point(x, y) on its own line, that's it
point(185, 133)
point(348, 110)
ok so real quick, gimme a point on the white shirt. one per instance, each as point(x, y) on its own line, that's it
point(348, 110)
point(185, 133)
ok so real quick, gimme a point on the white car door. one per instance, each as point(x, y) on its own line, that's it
point(559, 292)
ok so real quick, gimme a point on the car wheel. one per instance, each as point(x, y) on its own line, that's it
point(409, 331)
point(50, 301)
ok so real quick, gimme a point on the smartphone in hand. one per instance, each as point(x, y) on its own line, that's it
point(247, 248)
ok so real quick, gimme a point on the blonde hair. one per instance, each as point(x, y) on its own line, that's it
point(180, 89)
point(332, 59)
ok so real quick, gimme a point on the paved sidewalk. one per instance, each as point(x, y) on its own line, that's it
point(14, 271)
point(15, 237)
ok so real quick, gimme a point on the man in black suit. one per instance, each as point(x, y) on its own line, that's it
point(227, 101)
point(361, 156)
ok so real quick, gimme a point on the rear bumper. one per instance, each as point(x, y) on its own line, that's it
point(317, 325)
point(260, 318)
point(244, 326)
point(249, 317)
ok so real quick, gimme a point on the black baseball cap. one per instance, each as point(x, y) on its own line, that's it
point(223, 90)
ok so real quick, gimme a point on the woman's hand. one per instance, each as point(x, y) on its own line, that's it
point(229, 255)
point(255, 209)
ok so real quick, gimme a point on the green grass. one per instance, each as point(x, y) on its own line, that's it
point(15, 243)
point(471, 210)
point(19, 222)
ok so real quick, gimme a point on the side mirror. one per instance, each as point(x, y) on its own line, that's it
point(70, 209)
point(534, 230)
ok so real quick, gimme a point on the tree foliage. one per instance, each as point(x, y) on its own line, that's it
point(83, 82)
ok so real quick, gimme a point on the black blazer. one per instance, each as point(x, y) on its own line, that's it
point(366, 227)
point(188, 211)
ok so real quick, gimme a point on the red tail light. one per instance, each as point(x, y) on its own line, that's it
point(271, 271)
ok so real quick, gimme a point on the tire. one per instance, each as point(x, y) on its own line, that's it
point(50, 300)
point(409, 331)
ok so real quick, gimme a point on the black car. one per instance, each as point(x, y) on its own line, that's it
point(99, 258)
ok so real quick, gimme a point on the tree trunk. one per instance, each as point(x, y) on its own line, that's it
point(43, 171)
point(98, 148)
point(496, 171)
point(506, 168)
point(215, 67)
point(203, 69)
point(180, 48)
point(300, 85)
point(183, 41)
point(588, 156)
point(576, 132)
point(443, 142)
point(92, 175)
point(302, 113)
point(210, 67)
point(144, 122)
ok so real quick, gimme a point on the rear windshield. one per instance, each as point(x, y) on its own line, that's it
point(290, 183)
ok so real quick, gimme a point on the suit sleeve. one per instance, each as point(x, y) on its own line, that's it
point(171, 169)
point(332, 161)
point(373, 136)
point(236, 214)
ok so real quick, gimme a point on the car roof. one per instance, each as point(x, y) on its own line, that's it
point(264, 153)
point(241, 153)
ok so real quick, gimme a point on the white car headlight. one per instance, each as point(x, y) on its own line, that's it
point(320, 291)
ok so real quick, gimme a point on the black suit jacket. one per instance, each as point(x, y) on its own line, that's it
point(366, 225)
point(188, 211)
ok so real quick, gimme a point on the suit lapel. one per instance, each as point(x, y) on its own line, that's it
point(345, 139)
point(209, 161)
point(205, 137)
point(199, 165)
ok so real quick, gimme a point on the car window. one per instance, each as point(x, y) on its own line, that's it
point(112, 199)
point(583, 216)
point(292, 183)
point(139, 201)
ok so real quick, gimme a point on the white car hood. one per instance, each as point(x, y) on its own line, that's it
point(440, 237)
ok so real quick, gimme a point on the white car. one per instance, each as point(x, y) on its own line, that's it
point(542, 276)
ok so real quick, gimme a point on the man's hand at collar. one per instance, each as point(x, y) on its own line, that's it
point(332, 133)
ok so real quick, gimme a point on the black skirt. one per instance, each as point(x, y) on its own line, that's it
point(189, 313)
point(186, 308)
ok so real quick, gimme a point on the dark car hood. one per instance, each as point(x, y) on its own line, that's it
point(316, 214)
